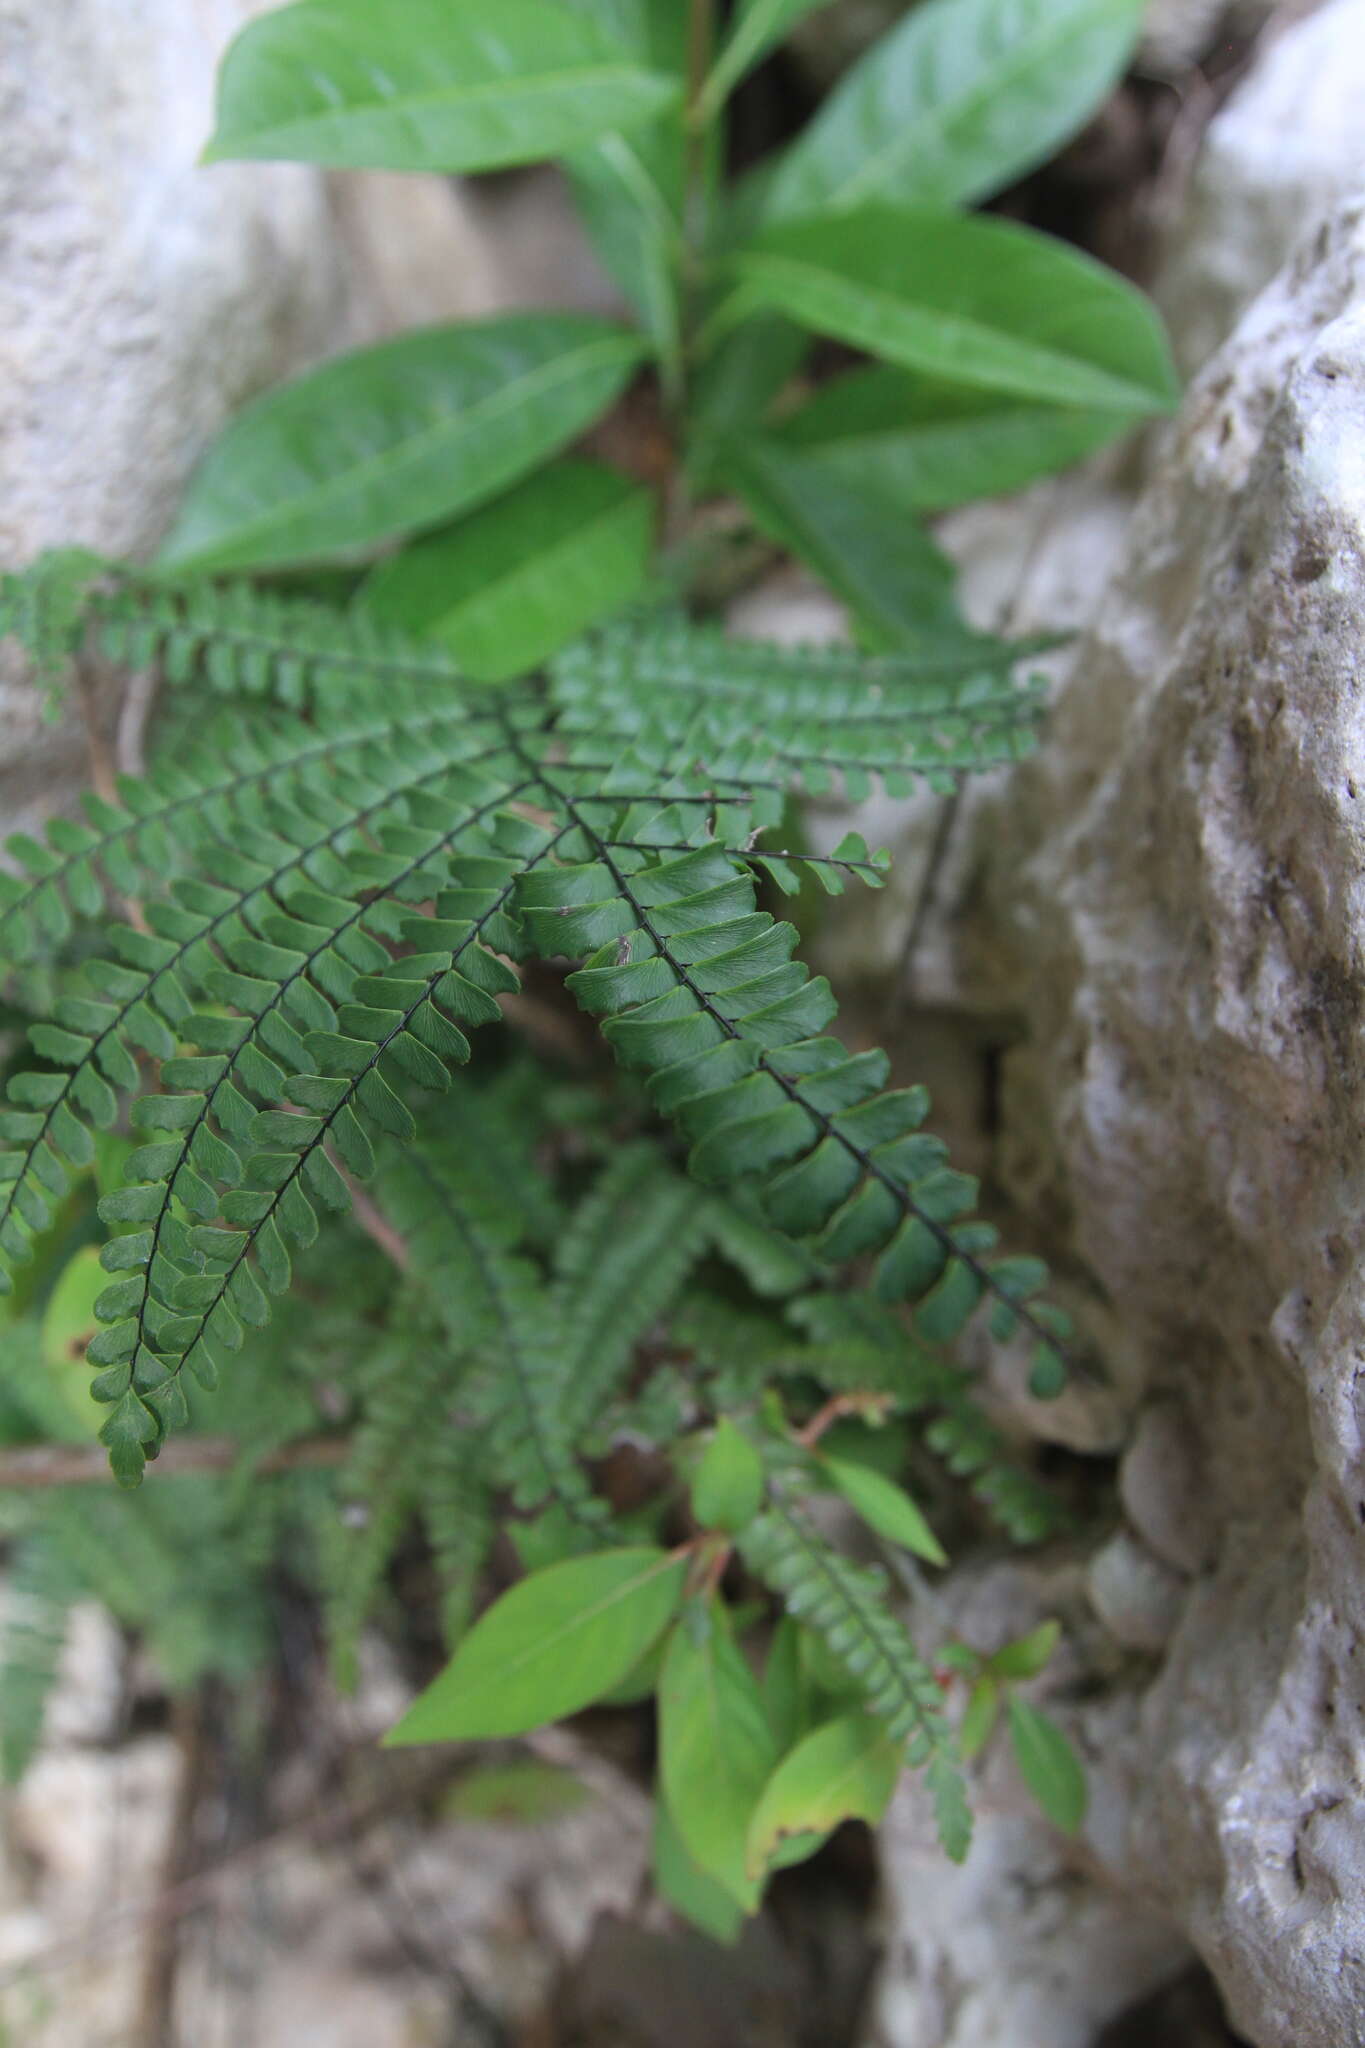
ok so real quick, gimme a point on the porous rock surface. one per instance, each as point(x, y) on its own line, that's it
point(1175, 895)
point(139, 301)
point(1288, 144)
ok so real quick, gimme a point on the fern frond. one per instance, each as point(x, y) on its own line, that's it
point(496, 1308)
point(342, 908)
point(175, 1563)
point(972, 1448)
point(675, 694)
point(619, 1266)
point(846, 1605)
point(698, 989)
point(381, 1484)
point(457, 1510)
point(229, 637)
point(40, 1590)
point(211, 804)
point(291, 935)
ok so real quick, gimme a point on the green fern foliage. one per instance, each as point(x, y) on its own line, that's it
point(846, 1606)
point(324, 912)
point(303, 920)
point(40, 1589)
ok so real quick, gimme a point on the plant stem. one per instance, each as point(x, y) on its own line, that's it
point(698, 182)
point(35, 1466)
point(701, 39)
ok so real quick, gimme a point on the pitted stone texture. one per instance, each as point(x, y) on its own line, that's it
point(1179, 901)
point(139, 300)
point(1288, 145)
point(1135, 1595)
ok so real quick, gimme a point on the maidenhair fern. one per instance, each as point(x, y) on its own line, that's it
point(310, 915)
point(323, 918)
point(622, 1322)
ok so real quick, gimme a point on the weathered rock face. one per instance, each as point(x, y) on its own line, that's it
point(1178, 902)
point(1289, 144)
point(138, 301)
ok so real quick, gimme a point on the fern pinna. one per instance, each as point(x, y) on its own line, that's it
point(316, 906)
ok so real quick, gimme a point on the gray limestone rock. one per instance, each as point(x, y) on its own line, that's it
point(1177, 892)
point(1288, 144)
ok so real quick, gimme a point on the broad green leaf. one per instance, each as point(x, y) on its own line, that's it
point(728, 1484)
point(885, 1507)
point(952, 1815)
point(625, 21)
point(641, 1682)
point(689, 1891)
point(846, 1770)
point(974, 302)
point(758, 26)
point(978, 1722)
point(788, 1689)
point(926, 446)
point(629, 206)
point(389, 439)
point(426, 85)
point(629, 188)
point(524, 575)
point(958, 101)
point(883, 565)
point(1048, 1765)
point(735, 386)
point(551, 1646)
point(716, 1749)
point(1027, 1656)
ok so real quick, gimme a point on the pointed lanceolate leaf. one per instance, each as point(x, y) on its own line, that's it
point(959, 100)
point(1048, 1765)
point(716, 1749)
point(758, 26)
point(923, 445)
point(435, 422)
point(689, 1891)
point(630, 187)
point(516, 580)
point(1027, 1655)
point(879, 561)
point(979, 1719)
point(846, 1770)
point(426, 85)
point(974, 302)
point(885, 1507)
point(727, 1486)
point(551, 1646)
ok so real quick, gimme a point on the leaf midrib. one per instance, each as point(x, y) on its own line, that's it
point(926, 134)
point(539, 85)
point(489, 592)
point(874, 299)
point(581, 1617)
point(457, 426)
